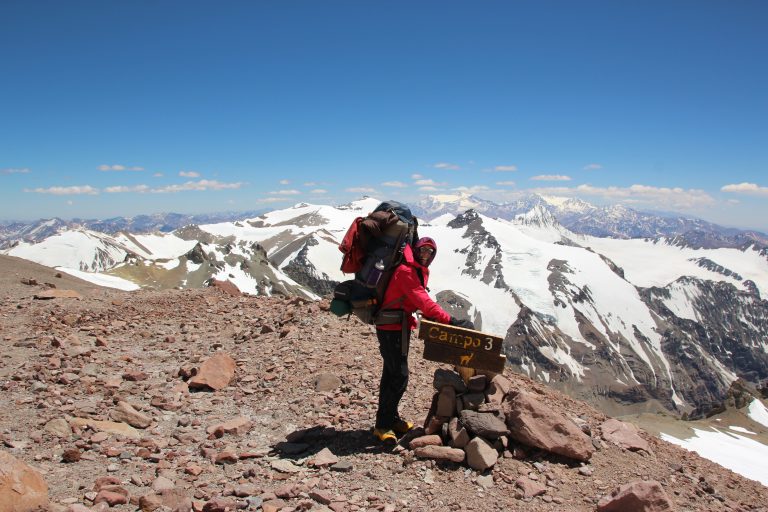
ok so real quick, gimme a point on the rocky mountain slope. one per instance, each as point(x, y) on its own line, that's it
point(78, 367)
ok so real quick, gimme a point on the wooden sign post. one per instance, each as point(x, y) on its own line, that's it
point(461, 347)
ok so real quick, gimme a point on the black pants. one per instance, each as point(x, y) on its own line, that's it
point(394, 376)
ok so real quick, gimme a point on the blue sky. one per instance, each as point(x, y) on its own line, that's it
point(120, 108)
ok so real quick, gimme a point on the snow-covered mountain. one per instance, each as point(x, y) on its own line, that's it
point(14, 232)
point(646, 321)
point(615, 221)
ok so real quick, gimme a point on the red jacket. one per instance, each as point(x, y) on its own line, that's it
point(406, 292)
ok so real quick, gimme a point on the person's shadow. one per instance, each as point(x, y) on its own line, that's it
point(307, 442)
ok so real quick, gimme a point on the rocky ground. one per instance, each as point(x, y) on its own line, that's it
point(77, 369)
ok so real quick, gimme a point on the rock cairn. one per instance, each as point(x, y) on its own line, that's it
point(479, 420)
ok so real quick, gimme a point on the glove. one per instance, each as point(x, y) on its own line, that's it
point(466, 324)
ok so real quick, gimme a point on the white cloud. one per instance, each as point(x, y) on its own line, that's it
point(119, 168)
point(477, 189)
point(310, 184)
point(361, 190)
point(657, 197)
point(505, 168)
point(288, 192)
point(447, 166)
point(189, 174)
point(746, 188)
point(394, 184)
point(284, 182)
point(416, 176)
point(22, 170)
point(318, 191)
point(121, 189)
point(429, 189)
point(197, 185)
point(270, 200)
point(506, 183)
point(70, 202)
point(66, 191)
point(592, 167)
point(157, 175)
point(551, 177)
point(428, 183)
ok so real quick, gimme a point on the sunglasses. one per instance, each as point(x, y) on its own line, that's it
point(428, 250)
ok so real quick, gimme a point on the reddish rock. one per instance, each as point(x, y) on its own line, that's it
point(150, 502)
point(126, 413)
point(71, 455)
point(529, 487)
point(22, 488)
point(239, 425)
point(111, 498)
point(226, 457)
point(440, 453)
point(480, 454)
point(430, 440)
point(227, 287)
point(273, 505)
point(641, 496)
point(326, 382)
point(498, 389)
point(215, 373)
point(624, 435)
point(219, 504)
point(532, 423)
point(324, 458)
point(57, 294)
point(135, 376)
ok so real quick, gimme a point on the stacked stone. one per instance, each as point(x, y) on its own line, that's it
point(478, 420)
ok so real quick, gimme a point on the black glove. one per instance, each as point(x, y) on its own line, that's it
point(466, 324)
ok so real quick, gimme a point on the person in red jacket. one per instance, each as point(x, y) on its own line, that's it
point(405, 294)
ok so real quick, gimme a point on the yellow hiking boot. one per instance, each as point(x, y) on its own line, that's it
point(401, 426)
point(385, 435)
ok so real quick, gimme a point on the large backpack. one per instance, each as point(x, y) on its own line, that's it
point(373, 248)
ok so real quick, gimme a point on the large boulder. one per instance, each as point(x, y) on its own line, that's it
point(623, 435)
point(534, 424)
point(640, 496)
point(22, 488)
point(215, 373)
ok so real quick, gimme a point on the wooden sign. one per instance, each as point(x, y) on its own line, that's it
point(461, 347)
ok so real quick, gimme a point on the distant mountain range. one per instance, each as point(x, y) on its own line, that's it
point(615, 221)
point(665, 321)
point(35, 231)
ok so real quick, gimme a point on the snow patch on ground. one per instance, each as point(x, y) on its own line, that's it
point(101, 279)
point(733, 451)
point(758, 413)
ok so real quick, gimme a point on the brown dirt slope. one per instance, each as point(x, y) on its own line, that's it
point(78, 358)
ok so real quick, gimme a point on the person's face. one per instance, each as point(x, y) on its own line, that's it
point(425, 254)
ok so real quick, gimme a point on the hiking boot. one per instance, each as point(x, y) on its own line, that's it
point(401, 426)
point(385, 435)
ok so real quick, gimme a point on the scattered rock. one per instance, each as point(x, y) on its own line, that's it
point(641, 496)
point(126, 413)
point(326, 382)
point(57, 294)
point(22, 488)
point(215, 373)
point(624, 435)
